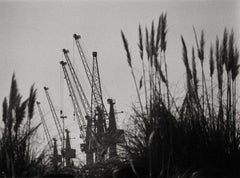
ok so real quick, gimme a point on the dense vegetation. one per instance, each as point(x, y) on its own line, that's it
point(200, 135)
point(17, 155)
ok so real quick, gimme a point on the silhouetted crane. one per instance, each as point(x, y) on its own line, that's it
point(98, 110)
point(54, 114)
point(56, 158)
point(76, 106)
point(86, 147)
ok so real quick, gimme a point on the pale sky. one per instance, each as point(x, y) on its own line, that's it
point(33, 33)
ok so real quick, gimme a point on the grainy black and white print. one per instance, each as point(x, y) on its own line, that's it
point(120, 88)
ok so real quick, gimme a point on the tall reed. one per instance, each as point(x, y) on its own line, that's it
point(201, 132)
point(17, 157)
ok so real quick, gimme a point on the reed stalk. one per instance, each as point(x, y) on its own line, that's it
point(140, 45)
point(130, 65)
point(212, 68)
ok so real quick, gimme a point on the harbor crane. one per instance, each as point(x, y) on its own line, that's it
point(45, 128)
point(92, 117)
point(54, 114)
point(56, 158)
point(85, 147)
point(76, 106)
point(67, 152)
point(104, 133)
point(98, 110)
point(93, 76)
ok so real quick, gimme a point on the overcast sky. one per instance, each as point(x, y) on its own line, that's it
point(33, 33)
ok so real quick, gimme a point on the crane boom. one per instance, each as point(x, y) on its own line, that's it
point(83, 58)
point(80, 117)
point(54, 114)
point(46, 131)
point(93, 77)
point(81, 93)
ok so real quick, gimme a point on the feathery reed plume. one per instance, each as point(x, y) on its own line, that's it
point(152, 57)
point(187, 67)
point(147, 44)
point(13, 93)
point(159, 28)
point(211, 61)
point(125, 43)
point(226, 60)
point(158, 38)
point(200, 48)
point(235, 65)
point(230, 51)
point(5, 109)
point(194, 71)
point(140, 45)
point(219, 64)
point(232, 70)
point(224, 49)
point(20, 114)
point(230, 62)
point(195, 80)
point(163, 46)
point(31, 105)
point(148, 50)
point(185, 59)
point(196, 40)
point(235, 71)
point(163, 32)
point(152, 44)
point(212, 68)
point(202, 44)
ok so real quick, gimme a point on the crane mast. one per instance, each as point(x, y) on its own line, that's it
point(56, 157)
point(86, 106)
point(93, 76)
point(96, 97)
point(68, 152)
point(112, 128)
point(54, 114)
point(80, 117)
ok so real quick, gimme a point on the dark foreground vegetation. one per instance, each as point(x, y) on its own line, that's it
point(195, 137)
point(18, 158)
point(200, 136)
